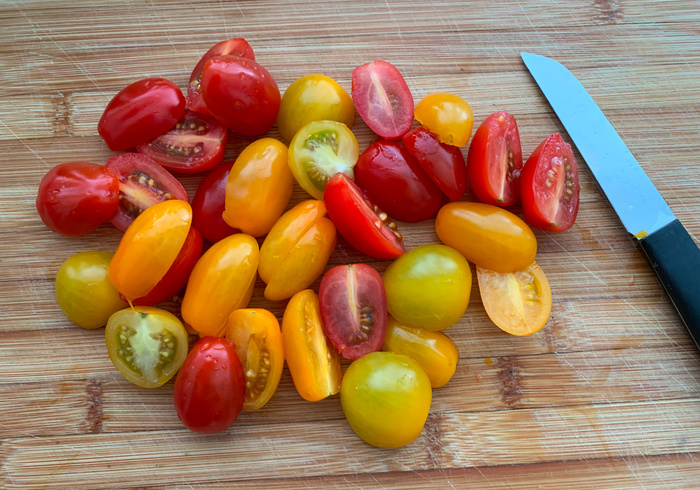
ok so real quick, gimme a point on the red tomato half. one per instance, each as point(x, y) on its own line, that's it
point(382, 99)
point(235, 47)
point(76, 197)
point(195, 144)
point(495, 160)
point(142, 183)
point(360, 222)
point(141, 112)
point(549, 186)
point(353, 309)
point(209, 202)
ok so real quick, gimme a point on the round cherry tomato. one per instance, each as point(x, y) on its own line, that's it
point(142, 183)
point(320, 150)
point(519, 302)
point(428, 287)
point(210, 387)
point(241, 94)
point(362, 224)
point(489, 236)
point(549, 186)
point(382, 98)
point(195, 144)
point(146, 345)
point(209, 202)
point(258, 187)
point(75, 198)
point(353, 309)
point(256, 335)
point(448, 116)
point(495, 160)
point(395, 182)
point(236, 47)
point(386, 399)
point(312, 360)
point(141, 112)
point(444, 164)
point(313, 98)
point(84, 291)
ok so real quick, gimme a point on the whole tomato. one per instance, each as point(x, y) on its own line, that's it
point(208, 205)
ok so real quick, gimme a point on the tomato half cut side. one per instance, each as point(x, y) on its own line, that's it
point(142, 183)
point(361, 223)
point(209, 202)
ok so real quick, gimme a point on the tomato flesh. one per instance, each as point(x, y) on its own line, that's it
point(208, 205)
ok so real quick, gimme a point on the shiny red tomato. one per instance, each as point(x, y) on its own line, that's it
point(395, 181)
point(210, 387)
point(209, 202)
point(141, 112)
point(76, 197)
point(241, 94)
point(353, 309)
point(360, 222)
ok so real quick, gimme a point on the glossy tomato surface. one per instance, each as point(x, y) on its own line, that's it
point(446, 115)
point(209, 202)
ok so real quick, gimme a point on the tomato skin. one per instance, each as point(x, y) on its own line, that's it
point(208, 205)
point(141, 112)
point(486, 235)
point(395, 182)
point(210, 387)
point(74, 198)
point(241, 94)
point(258, 187)
point(495, 160)
point(549, 186)
point(448, 116)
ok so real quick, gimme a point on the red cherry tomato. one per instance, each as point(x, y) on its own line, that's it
point(76, 197)
point(495, 160)
point(141, 112)
point(235, 47)
point(142, 183)
point(394, 181)
point(443, 163)
point(209, 202)
point(195, 144)
point(241, 94)
point(210, 387)
point(549, 186)
point(353, 309)
point(360, 222)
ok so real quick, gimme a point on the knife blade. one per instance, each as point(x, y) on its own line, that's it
point(671, 251)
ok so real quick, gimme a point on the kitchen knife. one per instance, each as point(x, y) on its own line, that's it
point(671, 251)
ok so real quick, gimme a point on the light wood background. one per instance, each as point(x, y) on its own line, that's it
point(606, 395)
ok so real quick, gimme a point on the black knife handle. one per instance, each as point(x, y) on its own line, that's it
point(676, 260)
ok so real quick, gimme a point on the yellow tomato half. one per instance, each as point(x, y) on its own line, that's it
point(446, 115)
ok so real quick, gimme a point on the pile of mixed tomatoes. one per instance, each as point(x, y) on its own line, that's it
point(390, 326)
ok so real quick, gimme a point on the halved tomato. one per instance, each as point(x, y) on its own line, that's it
point(448, 116)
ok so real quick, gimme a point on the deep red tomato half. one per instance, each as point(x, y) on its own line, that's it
point(353, 309)
point(195, 144)
point(395, 182)
point(443, 163)
point(549, 186)
point(209, 202)
point(76, 197)
point(495, 160)
point(210, 387)
point(241, 94)
point(141, 112)
point(235, 47)
point(142, 183)
point(361, 223)
point(382, 99)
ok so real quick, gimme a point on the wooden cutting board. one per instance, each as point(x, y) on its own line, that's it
point(606, 395)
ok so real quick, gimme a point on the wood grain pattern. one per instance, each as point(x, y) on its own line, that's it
point(606, 395)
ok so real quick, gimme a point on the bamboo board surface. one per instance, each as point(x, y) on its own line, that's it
point(606, 395)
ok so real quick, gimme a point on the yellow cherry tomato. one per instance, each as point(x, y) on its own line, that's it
point(448, 116)
point(258, 187)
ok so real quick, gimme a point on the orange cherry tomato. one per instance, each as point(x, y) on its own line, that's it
point(296, 250)
point(149, 247)
point(312, 360)
point(448, 116)
point(518, 303)
point(256, 333)
point(221, 282)
point(258, 187)
point(487, 235)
